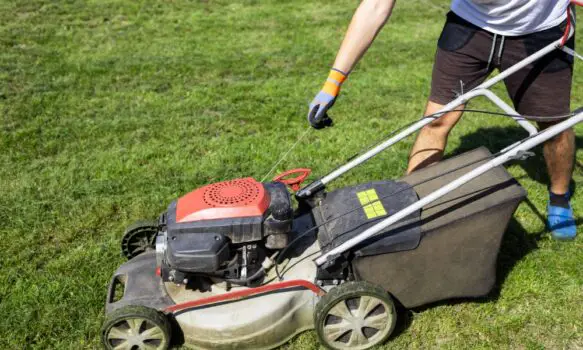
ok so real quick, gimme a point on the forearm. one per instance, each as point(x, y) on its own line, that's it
point(367, 21)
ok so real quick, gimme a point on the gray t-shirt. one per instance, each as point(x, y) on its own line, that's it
point(512, 17)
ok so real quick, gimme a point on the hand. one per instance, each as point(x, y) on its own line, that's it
point(324, 100)
point(318, 116)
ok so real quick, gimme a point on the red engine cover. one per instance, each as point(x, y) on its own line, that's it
point(223, 200)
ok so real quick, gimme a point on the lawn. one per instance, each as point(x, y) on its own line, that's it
point(110, 109)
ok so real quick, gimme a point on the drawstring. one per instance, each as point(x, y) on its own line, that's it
point(500, 50)
point(492, 52)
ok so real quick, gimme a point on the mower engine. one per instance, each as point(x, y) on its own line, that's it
point(223, 230)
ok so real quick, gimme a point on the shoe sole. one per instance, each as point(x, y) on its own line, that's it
point(559, 238)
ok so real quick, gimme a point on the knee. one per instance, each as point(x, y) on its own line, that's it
point(438, 127)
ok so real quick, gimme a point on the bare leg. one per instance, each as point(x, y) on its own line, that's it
point(559, 155)
point(432, 138)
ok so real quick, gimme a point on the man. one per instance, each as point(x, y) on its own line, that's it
point(479, 36)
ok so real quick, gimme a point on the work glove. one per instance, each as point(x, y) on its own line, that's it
point(324, 100)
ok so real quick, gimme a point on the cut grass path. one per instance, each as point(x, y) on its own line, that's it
point(110, 109)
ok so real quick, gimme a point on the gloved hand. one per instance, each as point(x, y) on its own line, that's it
point(324, 100)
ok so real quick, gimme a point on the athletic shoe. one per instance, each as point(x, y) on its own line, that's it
point(561, 221)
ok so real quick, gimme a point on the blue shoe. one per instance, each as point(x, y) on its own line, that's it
point(561, 222)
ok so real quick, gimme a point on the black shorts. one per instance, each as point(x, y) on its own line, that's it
point(540, 89)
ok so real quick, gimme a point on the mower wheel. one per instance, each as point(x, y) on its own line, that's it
point(355, 315)
point(138, 238)
point(137, 328)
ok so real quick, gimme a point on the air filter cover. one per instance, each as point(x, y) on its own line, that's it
point(222, 200)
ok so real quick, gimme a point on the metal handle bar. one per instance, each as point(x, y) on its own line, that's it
point(503, 158)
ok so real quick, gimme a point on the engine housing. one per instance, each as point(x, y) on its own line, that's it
point(223, 229)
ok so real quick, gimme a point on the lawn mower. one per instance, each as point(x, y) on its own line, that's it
point(241, 264)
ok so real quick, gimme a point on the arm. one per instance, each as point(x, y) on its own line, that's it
point(367, 21)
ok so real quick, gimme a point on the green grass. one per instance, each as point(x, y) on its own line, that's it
point(110, 109)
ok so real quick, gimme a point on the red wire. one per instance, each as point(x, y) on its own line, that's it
point(569, 24)
point(568, 28)
point(243, 293)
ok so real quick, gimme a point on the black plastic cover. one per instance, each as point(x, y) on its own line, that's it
point(280, 205)
point(394, 196)
point(279, 222)
point(197, 252)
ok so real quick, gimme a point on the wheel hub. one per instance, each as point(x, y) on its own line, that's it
point(357, 322)
point(138, 238)
point(134, 333)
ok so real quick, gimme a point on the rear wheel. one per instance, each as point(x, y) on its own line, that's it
point(355, 315)
point(136, 328)
point(138, 238)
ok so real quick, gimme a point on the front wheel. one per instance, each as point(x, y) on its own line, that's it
point(138, 238)
point(136, 328)
point(355, 315)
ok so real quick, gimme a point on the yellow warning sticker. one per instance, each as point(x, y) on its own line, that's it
point(373, 208)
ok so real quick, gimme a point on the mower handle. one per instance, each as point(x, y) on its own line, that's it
point(294, 182)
